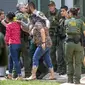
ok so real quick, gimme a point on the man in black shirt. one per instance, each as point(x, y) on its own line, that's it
point(3, 50)
point(2, 27)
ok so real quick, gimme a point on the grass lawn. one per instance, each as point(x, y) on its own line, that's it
point(36, 82)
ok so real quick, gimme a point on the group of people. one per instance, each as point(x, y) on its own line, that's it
point(54, 40)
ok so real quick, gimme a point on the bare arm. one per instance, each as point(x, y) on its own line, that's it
point(4, 23)
point(84, 33)
point(43, 36)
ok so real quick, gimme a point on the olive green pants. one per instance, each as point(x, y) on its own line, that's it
point(74, 56)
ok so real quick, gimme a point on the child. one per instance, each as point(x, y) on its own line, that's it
point(12, 38)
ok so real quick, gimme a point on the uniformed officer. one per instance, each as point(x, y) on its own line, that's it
point(61, 30)
point(83, 67)
point(82, 18)
point(74, 49)
point(3, 56)
point(22, 14)
point(2, 27)
point(53, 16)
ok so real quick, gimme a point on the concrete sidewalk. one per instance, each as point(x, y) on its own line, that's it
point(63, 79)
point(59, 78)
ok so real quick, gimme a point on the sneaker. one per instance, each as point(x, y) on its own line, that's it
point(77, 83)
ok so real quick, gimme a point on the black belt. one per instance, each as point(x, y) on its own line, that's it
point(69, 40)
point(73, 40)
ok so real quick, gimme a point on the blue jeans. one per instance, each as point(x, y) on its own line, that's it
point(14, 58)
point(42, 53)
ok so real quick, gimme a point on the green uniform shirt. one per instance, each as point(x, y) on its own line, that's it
point(75, 22)
point(53, 18)
point(22, 16)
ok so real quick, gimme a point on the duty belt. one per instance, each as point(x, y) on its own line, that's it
point(69, 40)
point(76, 41)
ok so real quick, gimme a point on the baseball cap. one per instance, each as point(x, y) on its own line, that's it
point(51, 3)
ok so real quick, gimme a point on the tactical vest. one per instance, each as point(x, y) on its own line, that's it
point(24, 17)
point(53, 18)
point(72, 27)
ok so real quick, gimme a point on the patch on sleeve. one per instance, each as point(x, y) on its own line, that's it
point(41, 14)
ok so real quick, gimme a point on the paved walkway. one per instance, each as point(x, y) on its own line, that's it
point(59, 78)
point(63, 79)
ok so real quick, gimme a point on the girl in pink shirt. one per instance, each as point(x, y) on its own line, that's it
point(12, 39)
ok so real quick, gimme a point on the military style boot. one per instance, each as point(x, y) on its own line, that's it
point(70, 79)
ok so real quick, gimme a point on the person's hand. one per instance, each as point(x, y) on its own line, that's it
point(43, 46)
point(19, 21)
point(84, 61)
point(3, 22)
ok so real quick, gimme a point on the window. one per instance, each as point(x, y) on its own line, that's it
point(23, 1)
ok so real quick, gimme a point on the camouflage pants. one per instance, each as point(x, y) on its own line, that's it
point(61, 57)
point(26, 57)
point(53, 52)
point(3, 51)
